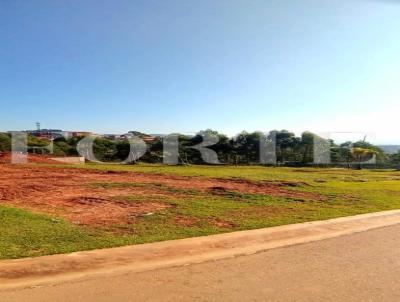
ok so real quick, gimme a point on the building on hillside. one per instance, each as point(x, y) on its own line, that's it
point(149, 138)
point(145, 137)
point(50, 134)
point(80, 133)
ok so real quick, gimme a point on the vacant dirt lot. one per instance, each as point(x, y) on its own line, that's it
point(88, 197)
point(102, 206)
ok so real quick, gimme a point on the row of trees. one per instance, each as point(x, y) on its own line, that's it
point(241, 149)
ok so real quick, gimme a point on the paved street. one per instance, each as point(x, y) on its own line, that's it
point(359, 267)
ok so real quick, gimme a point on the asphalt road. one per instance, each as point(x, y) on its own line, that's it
point(359, 267)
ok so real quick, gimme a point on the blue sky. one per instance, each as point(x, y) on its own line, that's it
point(167, 66)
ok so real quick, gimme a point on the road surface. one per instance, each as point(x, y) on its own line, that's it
point(359, 267)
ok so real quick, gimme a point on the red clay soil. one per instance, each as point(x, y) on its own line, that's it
point(66, 192)
point(5, 158)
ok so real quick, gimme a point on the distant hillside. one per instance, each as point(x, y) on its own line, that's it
point(391, 149)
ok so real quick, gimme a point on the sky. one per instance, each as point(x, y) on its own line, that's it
point(184, 65)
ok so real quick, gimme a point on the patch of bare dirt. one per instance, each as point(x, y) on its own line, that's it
point(222, 223)
point(186, 221)
point(66, 192)
point(261, 187)
point(5, 158)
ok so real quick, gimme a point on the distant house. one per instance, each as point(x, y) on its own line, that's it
point(50, 134)
point(111, 136)
point(80, 133)
point(145, 137)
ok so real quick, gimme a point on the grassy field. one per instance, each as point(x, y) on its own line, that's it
point(327, 193)
point(250, 172)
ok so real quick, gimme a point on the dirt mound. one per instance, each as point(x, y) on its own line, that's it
point(5, 158)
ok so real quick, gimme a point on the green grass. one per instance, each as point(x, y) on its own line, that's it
point(25, 234)
point(250, 172)
point(194, 213)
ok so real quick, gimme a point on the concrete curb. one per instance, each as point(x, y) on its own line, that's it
point(60, 268)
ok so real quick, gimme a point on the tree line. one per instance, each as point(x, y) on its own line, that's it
point(242, 149)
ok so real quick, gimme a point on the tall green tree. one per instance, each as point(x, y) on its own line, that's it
point(5, 142)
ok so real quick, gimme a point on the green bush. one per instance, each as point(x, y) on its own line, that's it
point(5, 142)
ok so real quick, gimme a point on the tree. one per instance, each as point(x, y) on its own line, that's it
point(286, 144)
point(104, 149)
point(130, 150)
point(5, 142)
point(363, 154)
point(394, 159)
